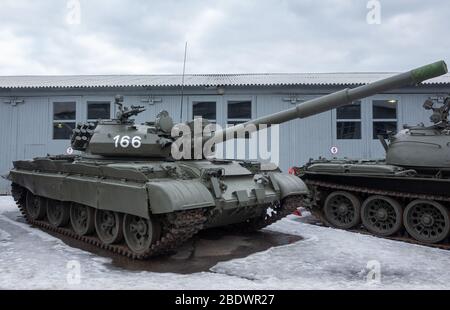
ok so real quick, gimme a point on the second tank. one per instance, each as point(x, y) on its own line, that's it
point(405, 195)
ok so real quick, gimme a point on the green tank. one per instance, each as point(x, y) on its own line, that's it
point(403, 196)
point(126, 192)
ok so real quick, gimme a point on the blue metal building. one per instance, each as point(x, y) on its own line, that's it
point(37, 113)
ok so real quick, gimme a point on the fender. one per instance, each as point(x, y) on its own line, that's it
point(288, 185)
point(98, 193)
point(176, 195)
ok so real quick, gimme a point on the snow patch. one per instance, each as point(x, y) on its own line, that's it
point(325, 259)
point(7, 204)
point(5, 237)
point(31, 230)
point(334, 259)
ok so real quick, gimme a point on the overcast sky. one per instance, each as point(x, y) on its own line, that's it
point(228, 36)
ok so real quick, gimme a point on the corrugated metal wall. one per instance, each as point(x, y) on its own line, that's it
point(26, 128)
point(299, 139)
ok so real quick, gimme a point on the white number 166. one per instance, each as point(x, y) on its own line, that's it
point(126, 141)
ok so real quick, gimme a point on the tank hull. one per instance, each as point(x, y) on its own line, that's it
point(378, 176)
point(218, 193)
point(386, 200)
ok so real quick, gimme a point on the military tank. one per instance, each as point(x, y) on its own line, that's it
point(404, 196)
point(126, 192)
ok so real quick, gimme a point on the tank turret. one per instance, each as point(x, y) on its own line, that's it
point(121, 137)
point(423, 148)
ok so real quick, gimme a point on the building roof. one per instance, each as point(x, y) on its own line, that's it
point(200, 80)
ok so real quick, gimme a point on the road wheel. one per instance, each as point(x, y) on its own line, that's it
point(108, 225)
point(58, 213)
point(139, 233)
point(342, 210)
point(82, 219)
point(427, 221)
point(381, 215)
point(36, 206)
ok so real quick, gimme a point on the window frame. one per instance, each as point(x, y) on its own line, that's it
point(236, 121)
point(350, 120)
point(63, 121)
point(212, 121)
point(384, 120)
point(88, 102)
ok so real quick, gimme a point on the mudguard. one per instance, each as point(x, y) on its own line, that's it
point(288, 184)
point(175, 195)
point(105, 194)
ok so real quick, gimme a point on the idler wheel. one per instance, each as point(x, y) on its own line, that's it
point(382, 216)
point(58, 213)
point(139, 233)
point(82, 219)
point(427, 221)
point(108, 225)
point(36, 206)
point(342, 210)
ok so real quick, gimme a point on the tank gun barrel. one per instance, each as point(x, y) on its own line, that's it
point(337, 99)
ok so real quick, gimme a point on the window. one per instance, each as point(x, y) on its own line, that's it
point(384, 117)
point(64, 119)
point(98, 110)
point(205, 109)
point(385, 109)
point(348, 121)
point(239, 112)
point(351, 111)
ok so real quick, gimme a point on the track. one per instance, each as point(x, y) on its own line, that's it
point(178, 227)
point(277, 212)
point(181, 228)
point(401, 236)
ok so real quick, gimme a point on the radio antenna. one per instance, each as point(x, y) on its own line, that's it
point(182, 81)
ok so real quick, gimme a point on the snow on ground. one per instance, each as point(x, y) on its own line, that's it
point(325, 259)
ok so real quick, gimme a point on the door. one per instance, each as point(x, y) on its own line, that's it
point(8, 138)
point(32, 128)
point(384, 117)
point(238, 109)
point(350, 131)
point(63, 113)
point(206, 107)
